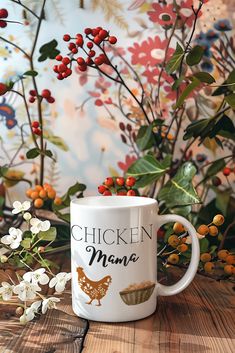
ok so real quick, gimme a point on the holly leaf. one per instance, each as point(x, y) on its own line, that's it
point(174, 62)
point(179, 190)
point(195, 55)
point(148, 169)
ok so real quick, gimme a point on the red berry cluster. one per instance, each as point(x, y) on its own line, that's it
point(46, 94)
point(36, 128)
point(3, 14)
point(93, 36)
point(118, 186)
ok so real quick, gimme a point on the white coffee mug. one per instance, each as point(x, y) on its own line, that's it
point(114, 257)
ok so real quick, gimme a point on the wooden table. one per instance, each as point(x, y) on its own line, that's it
point(200, 320)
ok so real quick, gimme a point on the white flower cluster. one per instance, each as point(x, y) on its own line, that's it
point(28, 288)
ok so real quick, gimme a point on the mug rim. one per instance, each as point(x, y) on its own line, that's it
point(121, 202)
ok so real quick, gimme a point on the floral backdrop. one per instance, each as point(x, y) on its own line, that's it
point(84, 114)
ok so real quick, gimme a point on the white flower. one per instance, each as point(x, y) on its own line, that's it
point(26, 290)
point(37, 276)
point(39, 226)
point(13, 239)
point(27, 216)
point(30, 312)
point(20, 207)
point(59, 281)
point(6, 291)
point(49, 303)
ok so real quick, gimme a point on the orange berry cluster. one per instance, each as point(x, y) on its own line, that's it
point(42, 193)
point(211, 228)
point(224, 259)
point(178, 243)
point(119, 186)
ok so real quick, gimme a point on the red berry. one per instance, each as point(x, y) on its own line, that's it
point(79, 41)
point(66, 60)
point(60, 77)
point(89, 45)
point(98, 102)
point(46, 93)
point(130, 181)
point(216, 181)
point(97, 40)
point(3, 89)
point(107, 193)
point(99, 61)
point(104, 58)
point(99, 28)
point(131, 193)
point(109, 181)
point(51, 100)
point(80, 61)
point(74, 50)
point(103, 34)
point(120, 181)
point(89, 61)
point(87, 31)
point(66, 37)
point(71, 45)
point(82, 67)
point(37, 131)
point(3, 13)
point(112, 40)
point(3, 24)
point(33, 92)
point(55, 69)
point(91, 53)
point(101, 189)
point(35, 124)
point(95, 31)
point(121, 193)
point(226, 171)
point(62, 67)
point(31, 99)
point(59, 57)
point(68, 72)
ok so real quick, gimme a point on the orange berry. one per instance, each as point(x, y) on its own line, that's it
point(183, 240)
point(213, 231)
point(230, 259)
point(223, 254)
point(178, 228)
point(38, 203)
point(203, 229)
point(38, 187)
point(209, 267)
point(206, 257)
point(182, 247)
point(47, 186)
point(229, 269)
point(51, 194)
point(43, 194)
point(173, 259)
point(34, 195)
point(218, 220)
point(58, 201)
point(29, 192)
point(173, 240)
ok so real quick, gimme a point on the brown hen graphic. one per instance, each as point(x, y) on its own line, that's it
point(94, 289)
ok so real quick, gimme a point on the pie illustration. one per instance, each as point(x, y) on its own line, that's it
point(137, 293)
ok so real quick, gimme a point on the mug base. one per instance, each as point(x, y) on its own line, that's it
point(130, 319)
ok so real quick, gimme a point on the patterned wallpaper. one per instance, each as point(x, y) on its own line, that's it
point(89, 128)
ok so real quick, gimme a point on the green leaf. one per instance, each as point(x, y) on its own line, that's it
point(179, 190)
point(215, 168)
point(48, 50)
point(178, 82)
point(148, 166)
point(26, 243)
point(195, 55)
point(58, 141)
point(174, 62)
point(230, 100)
point(204, 77)
point(204, 245)
point(48, 153)
point(73, 190)
point(144, 139)
point(222, 201)
point(49, 235)
point(33, 153)
point(227, 86)
point(190, 88)
point(31, 73)
point(195, 128)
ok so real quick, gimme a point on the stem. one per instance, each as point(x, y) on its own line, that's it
point(25, 7)
point(225, 235)
point(15, 46)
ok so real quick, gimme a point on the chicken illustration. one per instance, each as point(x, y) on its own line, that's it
point(94, 289)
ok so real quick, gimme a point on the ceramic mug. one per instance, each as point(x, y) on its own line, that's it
point(114, 257)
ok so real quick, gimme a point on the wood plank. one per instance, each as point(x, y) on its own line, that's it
point(200, 319)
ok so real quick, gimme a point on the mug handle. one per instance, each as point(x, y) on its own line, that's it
point(195, 257)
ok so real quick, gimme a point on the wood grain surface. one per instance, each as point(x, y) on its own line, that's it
point(198, 320)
